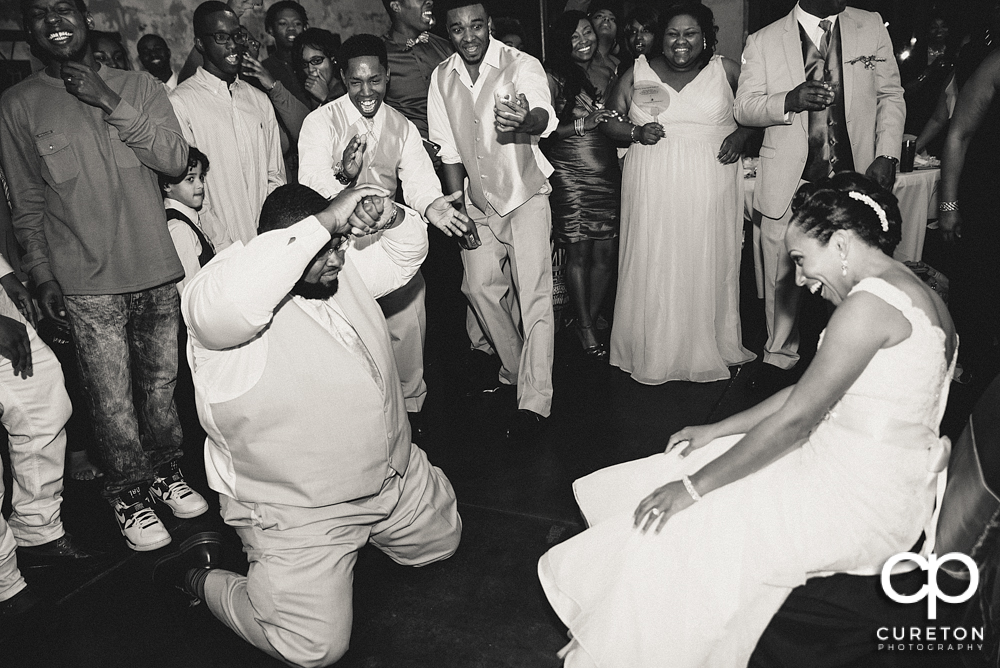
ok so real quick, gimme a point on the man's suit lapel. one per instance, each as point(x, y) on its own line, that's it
point(848, 46)
point(793, 56)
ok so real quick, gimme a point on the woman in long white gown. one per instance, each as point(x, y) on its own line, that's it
point(835, 474)
point(677, 311)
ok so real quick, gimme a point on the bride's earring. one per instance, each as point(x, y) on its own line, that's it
point(843, 265)
point(704, 43)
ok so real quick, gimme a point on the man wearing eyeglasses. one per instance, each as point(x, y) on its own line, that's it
point(234, 124)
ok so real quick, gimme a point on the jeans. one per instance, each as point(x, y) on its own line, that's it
point(126, 349)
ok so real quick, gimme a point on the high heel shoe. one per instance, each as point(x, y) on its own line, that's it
point(597, 351)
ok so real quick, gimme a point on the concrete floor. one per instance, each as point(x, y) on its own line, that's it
point(482, 608)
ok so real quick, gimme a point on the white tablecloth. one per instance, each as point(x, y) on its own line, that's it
point(917, 192)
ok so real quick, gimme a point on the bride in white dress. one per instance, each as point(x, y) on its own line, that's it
point(835, 474)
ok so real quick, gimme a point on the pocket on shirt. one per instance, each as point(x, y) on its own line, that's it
point(59, 157)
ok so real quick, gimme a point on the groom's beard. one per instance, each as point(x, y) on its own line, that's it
point(316, 290)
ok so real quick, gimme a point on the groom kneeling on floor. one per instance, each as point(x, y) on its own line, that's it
point(308, 441)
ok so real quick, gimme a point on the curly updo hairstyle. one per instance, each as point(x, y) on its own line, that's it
point(822, 207)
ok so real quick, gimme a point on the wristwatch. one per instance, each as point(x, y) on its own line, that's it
point(338, 172)
point(895, 161)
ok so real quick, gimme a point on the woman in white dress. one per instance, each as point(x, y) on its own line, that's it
point(835, 474)
point(677, 308)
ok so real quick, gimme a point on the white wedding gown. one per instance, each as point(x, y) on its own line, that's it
point(702, 592)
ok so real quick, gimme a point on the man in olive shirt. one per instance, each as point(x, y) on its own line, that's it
point(81, 145)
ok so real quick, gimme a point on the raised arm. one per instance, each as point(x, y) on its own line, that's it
point(233, 297)
point(395, 256)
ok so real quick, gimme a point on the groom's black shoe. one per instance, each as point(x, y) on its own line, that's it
point(187, 567)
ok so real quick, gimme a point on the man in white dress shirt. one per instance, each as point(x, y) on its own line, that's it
point(357, 140)
point(495, 145)
point(308, 443)
point(233, 123)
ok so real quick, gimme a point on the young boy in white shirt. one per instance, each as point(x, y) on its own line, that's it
point(183, 197)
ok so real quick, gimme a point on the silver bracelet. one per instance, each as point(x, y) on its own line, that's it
point(948, 206)
point(690, 488)
point(578, 126)
point(634, 128)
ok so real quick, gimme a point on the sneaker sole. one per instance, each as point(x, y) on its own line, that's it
point(148, 547)
point(191, 513)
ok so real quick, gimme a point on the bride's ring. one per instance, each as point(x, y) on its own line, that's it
point(655, 512)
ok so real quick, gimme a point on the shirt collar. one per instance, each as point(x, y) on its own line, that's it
point(214, 83)
point(192, 214)
point(810, 22)
point(492, 57)
point(355, 118)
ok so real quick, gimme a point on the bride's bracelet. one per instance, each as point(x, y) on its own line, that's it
point(632, 134)
point(690, 488)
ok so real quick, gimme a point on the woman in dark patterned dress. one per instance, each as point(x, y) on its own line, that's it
point(586, 184)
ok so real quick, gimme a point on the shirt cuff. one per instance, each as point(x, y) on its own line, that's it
point(123, 116)
point(5, 267)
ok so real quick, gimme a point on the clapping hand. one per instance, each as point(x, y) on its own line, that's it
point(87, 86)
point(350, 161)
point(443, 215)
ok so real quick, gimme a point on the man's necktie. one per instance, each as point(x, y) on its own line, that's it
point(824, 42)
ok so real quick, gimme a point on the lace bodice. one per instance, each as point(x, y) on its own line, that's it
point(908, 382)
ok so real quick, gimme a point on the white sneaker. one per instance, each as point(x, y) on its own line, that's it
point(170, 488)
point(142, 529)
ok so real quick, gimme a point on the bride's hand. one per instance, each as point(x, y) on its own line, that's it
point(695, 437)
point(654, 511)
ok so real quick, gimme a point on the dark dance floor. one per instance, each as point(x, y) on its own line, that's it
point(482, 608)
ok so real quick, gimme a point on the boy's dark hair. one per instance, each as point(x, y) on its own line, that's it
point(195, 157)
point(363, 45)
point(272, 12)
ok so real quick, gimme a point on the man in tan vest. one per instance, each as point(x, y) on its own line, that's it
point(308, 442)
point(357, 140)
point(487, 106)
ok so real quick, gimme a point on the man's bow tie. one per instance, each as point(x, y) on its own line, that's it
point(422, 38)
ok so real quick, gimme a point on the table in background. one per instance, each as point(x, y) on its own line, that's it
point(917, 192)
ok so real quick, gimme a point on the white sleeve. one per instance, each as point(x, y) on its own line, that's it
point(530, 80)
point(233, 297)
point(438, 124)
point(416, 171)
point(390, 261)
point(316, 162)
